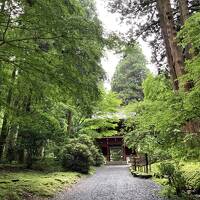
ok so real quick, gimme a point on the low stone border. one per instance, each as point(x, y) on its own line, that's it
point(144, 176)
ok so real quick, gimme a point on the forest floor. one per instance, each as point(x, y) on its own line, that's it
point(26, 184)
point(112, 183)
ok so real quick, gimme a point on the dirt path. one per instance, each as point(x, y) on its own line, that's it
point(111, 183)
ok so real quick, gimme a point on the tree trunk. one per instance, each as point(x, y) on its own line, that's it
point(21, 155)
point(5, 127)
point(21, 149)
point(29, 159)
point(184, 10)
point(11, 143)
point(164, 7)
point(134, 159)
point(69, 121)
point(167, 47)
point(3, 5)
point(4, 133)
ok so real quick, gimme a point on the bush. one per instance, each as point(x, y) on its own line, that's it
point(175, 177)
point(81, 153)
point(47, 165)
point(97, 157)
point(193, 181)
point(76, 157)
point(84, 139)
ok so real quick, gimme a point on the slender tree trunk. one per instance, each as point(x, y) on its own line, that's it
point(184, 10)
point(10, 146)
point(134, 159)
point(21, 150)
point(3, 5)
point(11, 143)
point(29, 159)
point(69, 121)
point(4, 133)
point(5, 127)
point(21, 155)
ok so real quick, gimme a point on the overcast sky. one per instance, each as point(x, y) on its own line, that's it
point(111, 22)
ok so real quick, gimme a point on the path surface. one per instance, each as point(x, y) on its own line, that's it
point(112, 183)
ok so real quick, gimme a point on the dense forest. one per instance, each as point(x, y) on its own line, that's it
point(53, 104)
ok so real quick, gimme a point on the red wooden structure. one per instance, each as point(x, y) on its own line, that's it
point(107, 143)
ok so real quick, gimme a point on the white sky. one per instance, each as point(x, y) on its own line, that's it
point(111, 23)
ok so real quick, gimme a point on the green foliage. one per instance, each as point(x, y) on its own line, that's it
point(100, 126)
point(97, 157)
point(189, 38)
point(109, 103)
point(175, 177)
point(76, 157)
point(159, 119)
point(47, 165)
point(50, 66)
point(105, 119)
point(130, 73)
point(158, 123)
point(189, 171)
point(190, 32)
point(80, 154)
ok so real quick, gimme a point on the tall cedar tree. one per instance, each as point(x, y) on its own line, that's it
point(160, 20)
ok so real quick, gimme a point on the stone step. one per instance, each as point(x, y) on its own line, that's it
point(116, 163)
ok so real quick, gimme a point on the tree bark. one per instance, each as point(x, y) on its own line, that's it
point(3, 5)
point(172, 71)
point(69, 121)
point(184, 10)
point(164, 8)
point(21, 149)
point(11, 143)
point(5, 127)
point(134, 159)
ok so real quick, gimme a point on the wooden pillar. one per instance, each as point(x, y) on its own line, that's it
point(134, 155)
point(134, 162)
point(146, 163)
point(124, 152)
point(108, 150)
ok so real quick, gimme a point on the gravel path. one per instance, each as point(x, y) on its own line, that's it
point(112, 183)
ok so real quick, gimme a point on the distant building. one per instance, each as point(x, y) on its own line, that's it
point(113, 147)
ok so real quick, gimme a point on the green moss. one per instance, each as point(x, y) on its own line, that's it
point(160, 181)
point(36, 183)
point(191, 172)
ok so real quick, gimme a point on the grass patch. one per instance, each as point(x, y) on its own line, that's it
point(35, 183)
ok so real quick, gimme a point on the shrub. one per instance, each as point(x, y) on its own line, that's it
point(193, 180)
point(76, 157)
point(47, 165)
point(85, 139)
point(175, 177)
point(97, 157)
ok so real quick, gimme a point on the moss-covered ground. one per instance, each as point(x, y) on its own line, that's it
point(16, 185)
